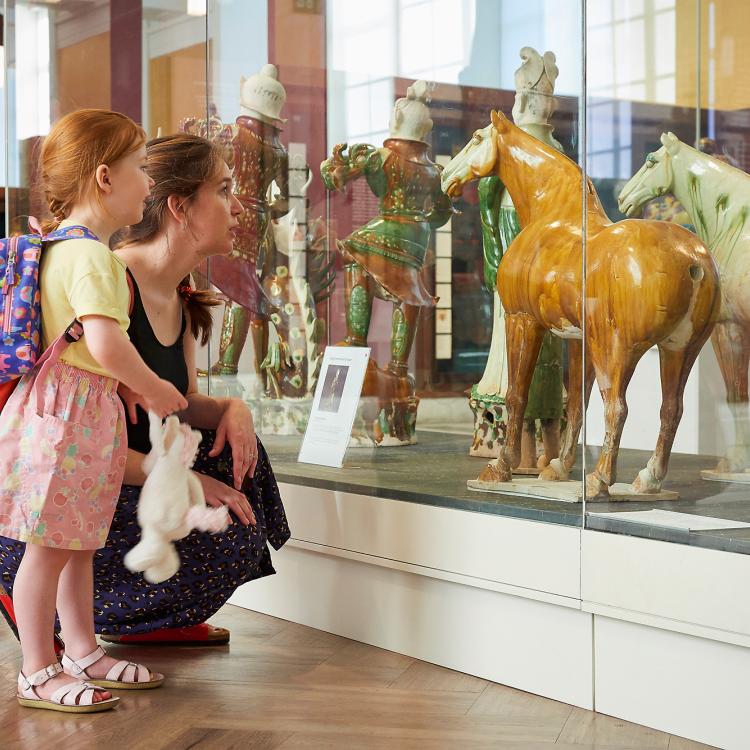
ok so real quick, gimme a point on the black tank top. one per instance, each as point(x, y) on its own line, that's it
point(167, 362)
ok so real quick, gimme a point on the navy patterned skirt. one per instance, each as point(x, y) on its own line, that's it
point(212, 566)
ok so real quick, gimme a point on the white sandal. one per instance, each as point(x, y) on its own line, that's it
point(125, 675)
point(73, 697)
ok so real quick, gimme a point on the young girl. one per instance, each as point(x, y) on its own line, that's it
point(61, 466)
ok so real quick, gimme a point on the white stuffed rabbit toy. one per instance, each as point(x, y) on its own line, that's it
point(171, 502)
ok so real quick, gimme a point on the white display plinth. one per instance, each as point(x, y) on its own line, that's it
point(651, 632)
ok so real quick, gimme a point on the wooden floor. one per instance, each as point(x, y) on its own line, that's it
point(281, 686)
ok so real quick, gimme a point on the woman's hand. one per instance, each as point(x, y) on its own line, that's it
point(131, 399)
point(236, 428)
point(217, 494)
point(165, 400)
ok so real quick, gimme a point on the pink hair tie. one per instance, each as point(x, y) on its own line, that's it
point(34, 225)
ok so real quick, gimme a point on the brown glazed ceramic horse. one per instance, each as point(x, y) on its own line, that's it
point(648, 283)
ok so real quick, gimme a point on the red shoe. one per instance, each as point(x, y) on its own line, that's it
point(195, 635)
point(6, 608)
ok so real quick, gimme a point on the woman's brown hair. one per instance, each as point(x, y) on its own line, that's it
point(179, 164)
point(76, 145)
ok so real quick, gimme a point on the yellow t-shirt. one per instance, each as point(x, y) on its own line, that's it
point(77, 278)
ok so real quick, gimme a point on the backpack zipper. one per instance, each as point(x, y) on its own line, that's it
point(8, 286)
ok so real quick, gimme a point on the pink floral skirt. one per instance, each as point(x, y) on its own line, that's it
point(61, 472)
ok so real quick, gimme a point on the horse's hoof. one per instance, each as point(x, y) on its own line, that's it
point(492, 473)
point(727, 466)
point(645, 485)
point(554, 471)
point(543, 462)
point(595, 488)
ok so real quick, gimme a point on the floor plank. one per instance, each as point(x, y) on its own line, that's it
point(304, 741)
point(222, 739)
point(511, 704)
point(680, 743)
point(424, 676)
point(356, 654)
point(596, 730)
point(281, 686)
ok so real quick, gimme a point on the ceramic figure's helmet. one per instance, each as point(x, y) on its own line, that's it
point(535, 86)
point(262, 96)
point(411, 115)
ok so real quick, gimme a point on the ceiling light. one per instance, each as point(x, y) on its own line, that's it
point(196, 7)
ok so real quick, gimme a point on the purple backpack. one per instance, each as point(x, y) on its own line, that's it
point(20, 314)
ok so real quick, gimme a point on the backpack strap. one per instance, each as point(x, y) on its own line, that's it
point(75, 232)
point(69, 233)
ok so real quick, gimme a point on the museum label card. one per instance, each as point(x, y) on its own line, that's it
point(669, 519)
point(335, 405)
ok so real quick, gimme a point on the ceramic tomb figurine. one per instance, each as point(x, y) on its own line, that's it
point(532, 110)
point(716, 197)
point(260, 160)
point(384, 258)
point(648, 283)
point(278, 270)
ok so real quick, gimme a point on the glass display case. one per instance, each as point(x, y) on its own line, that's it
point(412, 177)
point(384, 258)
point(667, 120)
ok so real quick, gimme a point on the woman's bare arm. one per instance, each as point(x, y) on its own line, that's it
point(203, 412)
point(230, 417)
point(134, 474)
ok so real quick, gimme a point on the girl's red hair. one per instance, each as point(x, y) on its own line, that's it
point(77, 144)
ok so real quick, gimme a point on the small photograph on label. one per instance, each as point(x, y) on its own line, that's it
point(333, 388)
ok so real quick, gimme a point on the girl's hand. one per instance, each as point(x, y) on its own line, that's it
point(236, 428)
point(131, 399)
point(217, 494)
point(164, 399)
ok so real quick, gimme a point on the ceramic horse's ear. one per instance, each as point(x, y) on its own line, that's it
point(671, 142)
point(500, 121)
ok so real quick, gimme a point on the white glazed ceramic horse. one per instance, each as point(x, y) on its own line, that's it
point(716, 196)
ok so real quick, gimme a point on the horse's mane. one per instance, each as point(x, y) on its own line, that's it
point(732, 172)
point(570, 168)
point(560, 157)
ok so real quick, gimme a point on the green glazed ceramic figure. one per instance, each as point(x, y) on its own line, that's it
point(532, 111)
point(384, 258)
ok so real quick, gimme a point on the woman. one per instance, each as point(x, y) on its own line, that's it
point(191, 215)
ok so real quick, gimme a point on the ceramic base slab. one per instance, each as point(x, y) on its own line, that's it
point(711, 475)
point(362, 440)
point(283, 416)
point(224, 386)
point(482, 451)
point(565, 492)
